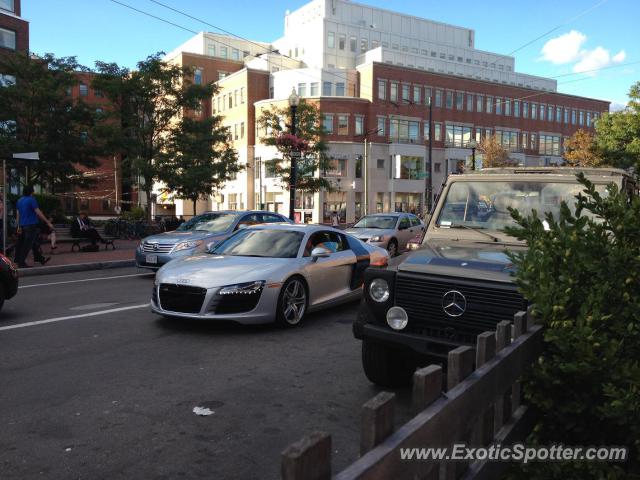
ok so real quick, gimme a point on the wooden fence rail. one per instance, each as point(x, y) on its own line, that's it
point(481, 406)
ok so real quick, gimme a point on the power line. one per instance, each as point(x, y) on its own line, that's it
point(154, 16)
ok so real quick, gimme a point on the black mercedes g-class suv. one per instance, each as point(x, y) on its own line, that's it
point(459, 283)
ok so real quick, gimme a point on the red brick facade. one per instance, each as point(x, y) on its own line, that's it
point(12, 21)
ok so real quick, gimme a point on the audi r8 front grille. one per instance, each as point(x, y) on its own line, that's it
point(235, 303)
point(181, 298)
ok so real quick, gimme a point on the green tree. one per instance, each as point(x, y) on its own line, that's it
point(308, 141)
point(37, 114)
point(618, 133)
point(198, 159)
point(582, 273)
point(147, 103)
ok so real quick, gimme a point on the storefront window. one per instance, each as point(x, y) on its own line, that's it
point(408, 167)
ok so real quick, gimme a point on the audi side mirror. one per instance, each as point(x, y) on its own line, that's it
point(320, 252)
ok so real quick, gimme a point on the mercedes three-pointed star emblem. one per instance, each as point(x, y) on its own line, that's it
point(454, 303)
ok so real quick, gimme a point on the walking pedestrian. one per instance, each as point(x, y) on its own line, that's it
point(28, 213)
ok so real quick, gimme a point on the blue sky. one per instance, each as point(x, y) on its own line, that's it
point(608, 34)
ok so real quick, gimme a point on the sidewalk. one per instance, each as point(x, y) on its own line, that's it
point(64, 260)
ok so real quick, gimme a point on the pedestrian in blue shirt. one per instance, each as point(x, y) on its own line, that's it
point(28, 229)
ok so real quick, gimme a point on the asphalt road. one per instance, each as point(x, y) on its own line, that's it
point(88, 394)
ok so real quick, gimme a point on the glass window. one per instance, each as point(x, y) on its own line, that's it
point(516, 108)
point(550, 111)
point(437, 132)
point(489, 104)
point(359, 125)
point(581, 118)
point(352, 43)
point(210, 222)
point(242, 95)
point(7, 38)
point(457, 136)
point(425, 131)
point(459, 100)
point(84, 90)
point(542, 112)
point(331, 40)
point(223, 52)
point(408, 167)
point(374, 44)
point(313, 92)
point(405, 93)
point(524, 141)
point(479, 103)
point(525, 109)
point(558, 114)
point(566, 115)
point(394, 92)
point(364, 45)
point(417, 94)
point(573, 117)
point(261, 243)
point(336, 167)
point(469, 102)
point(327, 123)
point(487, 133)
point(382, 122)
point(382, 89)
point(438, 99)
point(7, 5)
point(498, 106)
point(380, 164)
point(197, 76)
point(588, 119)
point(326, 89)
point(211, 50)
point(340, 89)
point(449, 99)
point(534, 141)
point(235, 54)
point(507, 106)
point(427, 95)
point(534, 111)
point(343, 124)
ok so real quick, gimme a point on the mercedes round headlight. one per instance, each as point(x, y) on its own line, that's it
point(397, 318)
point(379, 290)
point(187, 245)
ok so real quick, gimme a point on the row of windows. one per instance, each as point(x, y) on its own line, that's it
point(228, 100)
point(475, 102)
point(408, 131)
point(237, 132)
point(222, 51)
point(363, 45)
point(328, 89)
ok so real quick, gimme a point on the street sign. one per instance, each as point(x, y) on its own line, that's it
point(26, 156)
point(295, 154)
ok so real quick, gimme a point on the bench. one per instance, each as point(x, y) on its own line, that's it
point(63, 235)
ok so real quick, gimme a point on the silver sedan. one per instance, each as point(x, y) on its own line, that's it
point(388, 230)
point(267, 273)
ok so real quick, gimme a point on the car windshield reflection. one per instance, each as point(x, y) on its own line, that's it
point(261, 243)
point(377, 221)
point(208, 222)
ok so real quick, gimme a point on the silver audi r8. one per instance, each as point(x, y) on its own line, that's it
point(267, 273)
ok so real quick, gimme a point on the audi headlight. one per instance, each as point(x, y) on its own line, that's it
point(248, 288)
point(379, 290)
point(377, 238)
point(187, 245)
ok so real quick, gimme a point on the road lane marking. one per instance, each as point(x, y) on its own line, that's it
point(94, 306)
point(72, 317)
point(95, 279)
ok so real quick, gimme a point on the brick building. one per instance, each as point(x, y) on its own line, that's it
point(14, 30)
point(373, 72)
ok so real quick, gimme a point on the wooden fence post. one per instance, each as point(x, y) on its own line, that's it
point(308, 459)
point(503, 338)
point(459, 365)
point(427, 387)
point(485, 351)
point(520, 322)
point(377, 420)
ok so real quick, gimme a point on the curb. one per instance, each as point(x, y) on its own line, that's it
point(74, 267)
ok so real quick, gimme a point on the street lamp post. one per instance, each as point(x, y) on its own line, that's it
point(294, 101)
point(473, 145)
point(430, 178)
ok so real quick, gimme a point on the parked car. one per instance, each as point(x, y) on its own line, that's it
point(459, 283)
point(8, 280)
point(267, 273)
point(391, 231)
point(198, 235)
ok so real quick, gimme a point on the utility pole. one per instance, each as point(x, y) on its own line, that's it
point(430, 179)
point(365, 178)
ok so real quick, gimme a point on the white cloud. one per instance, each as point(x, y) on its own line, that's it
point(564, 49)
point(617, 106)
point(567, 48)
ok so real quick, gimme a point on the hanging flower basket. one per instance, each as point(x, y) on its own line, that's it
point(286, 141)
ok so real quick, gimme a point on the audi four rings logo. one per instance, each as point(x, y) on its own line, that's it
point(454, 303)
